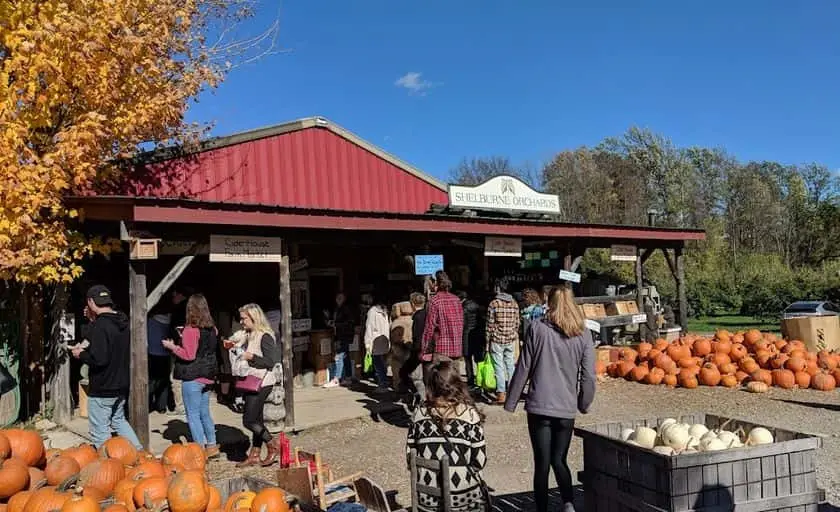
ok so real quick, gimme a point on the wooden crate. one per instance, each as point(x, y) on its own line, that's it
point(593, 311)
point(771, 478)
point(622, 307)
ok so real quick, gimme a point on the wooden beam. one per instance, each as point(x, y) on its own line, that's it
point(138, 401)
point(645, 254)
point(681, 294)
point(286, 326)
point(168, 280)
point(670, 262)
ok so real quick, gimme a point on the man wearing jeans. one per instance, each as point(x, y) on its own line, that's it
point(502, 336)
point(108, 357)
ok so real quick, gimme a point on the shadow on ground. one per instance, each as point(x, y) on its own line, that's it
point(812, 405)
point(521, 501)
point(233, 443)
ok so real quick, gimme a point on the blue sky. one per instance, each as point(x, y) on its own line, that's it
point(436, 81)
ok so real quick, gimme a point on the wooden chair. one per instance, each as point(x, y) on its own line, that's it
point(441, 469)
point(327, 489)
point(370, 495)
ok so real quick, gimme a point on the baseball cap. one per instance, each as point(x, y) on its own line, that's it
point(100, 295)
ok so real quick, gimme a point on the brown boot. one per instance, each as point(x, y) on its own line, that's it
point(273, 454)
point(501, 398)
point(211, 451)
point(252, 460)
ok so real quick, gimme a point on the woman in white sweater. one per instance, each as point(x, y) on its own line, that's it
point(377, 341)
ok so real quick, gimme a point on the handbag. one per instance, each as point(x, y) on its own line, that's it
point(482, 485)
point(7, 381)
point(249, 384)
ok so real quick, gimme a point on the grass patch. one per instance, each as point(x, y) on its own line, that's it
point(732, 323)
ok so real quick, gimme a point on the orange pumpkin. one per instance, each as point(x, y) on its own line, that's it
point(94, 493)
point(653, 354)
point(13, 479)
point(18, 501)
point(688, 381)
point(729, 381)
point(778, 362)
point(644, 348)
point(600, 367)
point(812, 368)
point(826, 360)
point(719, 359)
point(655, 376)
point(728, 369)
point(5, 447)
point(146, 469)
point(678, 352)
point(80, 503)
point(188, 492)
point(722, 335)
point(150, 492)
point(189, 455)
point(803, 379)
point(624, 368)
point(102, 474)
point(60, 469)
point(762, 376)
point(26, 445)
point(271, 499)
point(670, 380)
point(722, 347)
point(83, 454)
point(119, 448)
point(784, 379)
point(124, 493)
point(741, 376)
point(46, 500)
point(702, 348)
point(239, 500)
point(796, 364)
point(752, 336)
point(638, 373)
point(709, 375)
point(215, 502)
point(763, 358)
point(628, 354)
point(738, 352)
point(823, 382)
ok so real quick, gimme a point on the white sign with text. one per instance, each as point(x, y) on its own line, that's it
point(227, 249)
point(504, 193)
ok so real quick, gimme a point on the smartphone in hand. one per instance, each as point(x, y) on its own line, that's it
point(228, 344)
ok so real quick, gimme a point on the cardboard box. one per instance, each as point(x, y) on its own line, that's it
point(817, 332)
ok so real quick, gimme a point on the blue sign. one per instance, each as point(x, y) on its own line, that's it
point(427, 264)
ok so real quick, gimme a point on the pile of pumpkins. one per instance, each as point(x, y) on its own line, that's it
point(753, 359)
point(674, 438)
point(117, 478)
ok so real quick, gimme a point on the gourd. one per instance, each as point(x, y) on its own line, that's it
point(644, 436)
point(698, 430)
point(759, 436)
point(757, 387)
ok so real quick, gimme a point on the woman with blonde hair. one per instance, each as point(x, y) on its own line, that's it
point(558, 358)
point(261, 352)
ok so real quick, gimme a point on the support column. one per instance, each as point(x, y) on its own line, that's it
point(639, 279)
point(138, 401)
point(683, 300)
point(286, 326)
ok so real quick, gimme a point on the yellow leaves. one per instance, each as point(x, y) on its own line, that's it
point(82, 83)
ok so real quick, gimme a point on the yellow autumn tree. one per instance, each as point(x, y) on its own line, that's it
point(84, 83)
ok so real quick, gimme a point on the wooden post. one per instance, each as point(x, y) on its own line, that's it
point(639, 279)
point(139, 398)
point(62, 400)
point(286, 326)
point(683, 300)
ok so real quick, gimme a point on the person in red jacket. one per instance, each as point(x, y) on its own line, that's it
point(443, 334)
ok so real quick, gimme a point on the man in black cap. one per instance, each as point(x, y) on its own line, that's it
point(108, 357)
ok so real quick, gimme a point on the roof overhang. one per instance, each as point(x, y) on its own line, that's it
point(147, 210)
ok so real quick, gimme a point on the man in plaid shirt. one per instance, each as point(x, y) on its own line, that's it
point(444, 329)
point(502, 336)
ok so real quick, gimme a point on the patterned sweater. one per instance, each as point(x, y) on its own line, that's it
point(465, 448)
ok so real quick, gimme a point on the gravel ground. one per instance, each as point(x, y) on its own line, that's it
point(377, 446)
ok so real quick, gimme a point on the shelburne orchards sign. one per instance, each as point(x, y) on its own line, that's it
point(504, 193)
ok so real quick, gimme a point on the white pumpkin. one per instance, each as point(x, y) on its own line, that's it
point(758, 436)
point(713, 445)
point(693, 442)
point(664, 450)
point(730, 439)
point(645, 436)
point(626, 433)
point(667, 421)
point(698, 430)
point(708, 436)
point(675, 437)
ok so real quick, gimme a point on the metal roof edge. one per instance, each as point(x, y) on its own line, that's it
point(293, 126)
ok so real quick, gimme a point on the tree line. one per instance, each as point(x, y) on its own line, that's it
point(772, 234)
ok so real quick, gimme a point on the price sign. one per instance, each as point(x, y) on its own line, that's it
point(639, 319)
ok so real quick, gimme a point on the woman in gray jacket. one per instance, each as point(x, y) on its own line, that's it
point(559, 361)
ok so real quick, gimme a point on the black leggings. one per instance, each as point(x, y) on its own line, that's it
point(252, 416)
point(550, 439)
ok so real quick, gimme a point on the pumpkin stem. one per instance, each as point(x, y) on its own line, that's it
point(68, 483)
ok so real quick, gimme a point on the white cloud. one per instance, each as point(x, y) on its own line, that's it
point(414, 83)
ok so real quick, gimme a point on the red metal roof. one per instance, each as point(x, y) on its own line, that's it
point(310, 163)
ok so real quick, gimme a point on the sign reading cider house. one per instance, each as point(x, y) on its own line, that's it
point(503, 193)
point(225, 248)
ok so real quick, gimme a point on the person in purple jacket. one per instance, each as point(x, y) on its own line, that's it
point(559, 360)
